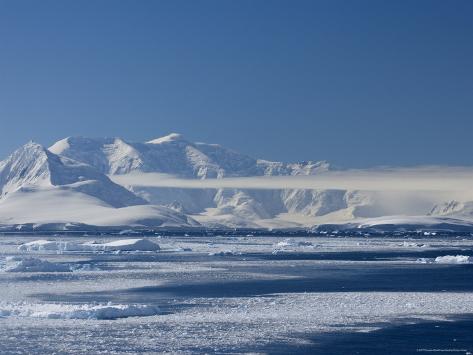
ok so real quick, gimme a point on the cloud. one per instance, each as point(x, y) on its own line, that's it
point(454, 179)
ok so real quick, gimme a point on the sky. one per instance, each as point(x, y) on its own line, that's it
point(358, 83)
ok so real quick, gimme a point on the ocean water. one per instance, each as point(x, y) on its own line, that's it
point(240, 294)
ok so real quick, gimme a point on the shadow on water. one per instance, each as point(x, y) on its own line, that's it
point(362, 255)
point(458, 278)
point(423, 278)
point(422, 337)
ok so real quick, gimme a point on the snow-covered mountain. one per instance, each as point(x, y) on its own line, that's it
point(453, 208)
point(75, 181)
point(181, 158)
point(173, 155)
point(40, 187)
point(34, 166)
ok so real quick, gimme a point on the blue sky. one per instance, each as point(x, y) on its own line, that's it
point(358, 83)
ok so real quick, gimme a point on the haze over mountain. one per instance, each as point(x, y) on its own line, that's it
point(77, 182)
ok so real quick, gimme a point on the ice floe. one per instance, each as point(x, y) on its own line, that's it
point(116, 245)
point(225, 253)
point(412, 245)
point(76, 311)
point(285, 243)
point(283, 246)
point(447, 259)
point(454, 259)
point(51, 245)
point(125, 245)
point(293, 243)
point(22, 264)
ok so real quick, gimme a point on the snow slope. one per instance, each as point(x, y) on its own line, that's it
point(40, 187)
point(62, 206)
point(34, 166)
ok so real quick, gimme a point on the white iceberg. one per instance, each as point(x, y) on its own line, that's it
point(103, 312)
point(412, 245)
point(77, 311)
point(125, 245)
point(21, 264)
point(292, 243)
point(286, 243)
point(51, 245)
point(116, 245)
point(454, 259)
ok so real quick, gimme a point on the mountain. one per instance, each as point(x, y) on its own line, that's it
point(173, 155)
point(170, 155)
point(454, 209)
point(33, 165)
point(176, 156)
point(38, 186)
point(79, 181)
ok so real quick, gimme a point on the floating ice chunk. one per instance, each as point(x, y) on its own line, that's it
point(116, 245)
point(424, 261)
point(20, 264)
point(84, 267)
point(77, 311)
point(51, 245)
point(292, 243)
point(39, 245)
point(225, 253)
point(454, 259)
point(412, 245)
point(305, 244)
point(180, 249)
point(285, 243)
point(126, 245)
point(106, 312)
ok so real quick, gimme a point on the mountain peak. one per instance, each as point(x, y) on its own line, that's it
point(28, 164)
point(31, 145)
point(169, 138)
point(32, 165)
point(29, 155)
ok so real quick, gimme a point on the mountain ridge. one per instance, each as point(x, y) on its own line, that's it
point(38, 186)
point(76, 171)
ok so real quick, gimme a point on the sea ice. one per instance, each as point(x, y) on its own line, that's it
point(225, 253)
point(76, 311)
point(412, 244)
point(285, 243)
point(21, 264)
point(116, 245)
point(126, 245)
point(293, 243)
point(51, 245)
point(454, 259)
